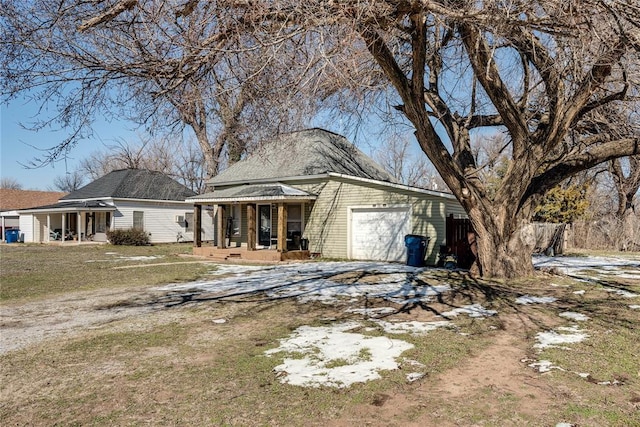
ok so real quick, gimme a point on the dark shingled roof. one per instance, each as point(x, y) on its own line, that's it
point(132, 184)
point(303, 153)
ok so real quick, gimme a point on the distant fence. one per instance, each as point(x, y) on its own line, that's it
point(550, 238)
point(604, 234)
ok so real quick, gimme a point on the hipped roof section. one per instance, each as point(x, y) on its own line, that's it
point(309, 152)
point(132, 184)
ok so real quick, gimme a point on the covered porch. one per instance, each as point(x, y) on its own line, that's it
point(68, 222)
point(260, 222)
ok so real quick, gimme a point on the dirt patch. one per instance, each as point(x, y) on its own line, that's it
point(493, 374)
point(33, 322)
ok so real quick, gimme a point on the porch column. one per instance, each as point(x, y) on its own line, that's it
point(64, 227)
point(282, 227)
point(221, 229)
point(3, 229)
point(197, 220)
point(78, 227)
point(48, 238)
point(251, 227)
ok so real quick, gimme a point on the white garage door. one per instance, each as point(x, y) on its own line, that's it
point(378, 233)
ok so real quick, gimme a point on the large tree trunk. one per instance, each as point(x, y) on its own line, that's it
point(504, 247)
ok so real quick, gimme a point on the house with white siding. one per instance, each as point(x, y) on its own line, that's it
point(122, 199)
point(314, 193)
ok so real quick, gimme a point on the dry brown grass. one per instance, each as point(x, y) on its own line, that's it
point(176, 365)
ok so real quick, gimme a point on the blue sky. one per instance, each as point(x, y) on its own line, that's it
point(19, 146)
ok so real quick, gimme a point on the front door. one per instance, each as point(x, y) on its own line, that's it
point(264, 225)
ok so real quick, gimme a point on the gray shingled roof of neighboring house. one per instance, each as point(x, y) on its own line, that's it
point(132, 184)
point(303, 153)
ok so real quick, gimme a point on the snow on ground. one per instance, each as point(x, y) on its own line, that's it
point(319, 282)
point(411, 327)
point(117, 257)
point(574, 316)
point(571, 335)
point(528, 299)
point(336, 355)
point(333, 356)
point(591, 267)
point(473, 310)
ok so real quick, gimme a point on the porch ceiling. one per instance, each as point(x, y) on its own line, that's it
point(254, 193)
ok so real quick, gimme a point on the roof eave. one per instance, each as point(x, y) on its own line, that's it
point(68, 209)
point(253, 199)
point(394, 185)
point(269, 180)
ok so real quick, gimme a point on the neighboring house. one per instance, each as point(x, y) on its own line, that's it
point(313, 192)
point(13, 200)
point(122, 199)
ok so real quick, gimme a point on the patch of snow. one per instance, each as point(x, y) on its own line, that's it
point(565, 425)
point(580, 292)
point(219, 321)
point(579, 265)
point(318, 282)
point(414, 363)
point(634, 307)
point(543, 366)
point(614, 382)
point(528, 299)
point(412, 327)
point(622, 293)
point(127, 258)
point(140, 257)
point(415, 376)
point(574, 316)
point(554, 339)
point(333, 356)
point(368, 312)
point(236, 269)
point(473, 310)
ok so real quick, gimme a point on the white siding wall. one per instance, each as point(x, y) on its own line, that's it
point(159, 219)
point(26, 227)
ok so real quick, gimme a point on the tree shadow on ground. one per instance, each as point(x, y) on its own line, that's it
point(415, 291)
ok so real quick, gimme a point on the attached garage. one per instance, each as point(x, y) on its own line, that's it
point(377, 233)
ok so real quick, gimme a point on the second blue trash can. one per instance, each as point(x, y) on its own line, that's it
point(416, 249)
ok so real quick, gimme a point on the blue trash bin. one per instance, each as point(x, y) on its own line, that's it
point(416, 249)
point(11, 236)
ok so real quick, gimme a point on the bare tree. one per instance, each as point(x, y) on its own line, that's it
point(10, 183)
point(69, 182)
point(205, 66)
point(537, 70)
point(626, 184)
point(395, 157)
point(534, 69)
point(183, 162)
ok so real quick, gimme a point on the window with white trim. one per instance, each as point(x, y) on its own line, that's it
point(188, 222)
point(138, 220)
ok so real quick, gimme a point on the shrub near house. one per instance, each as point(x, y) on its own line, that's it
point(130, 237)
